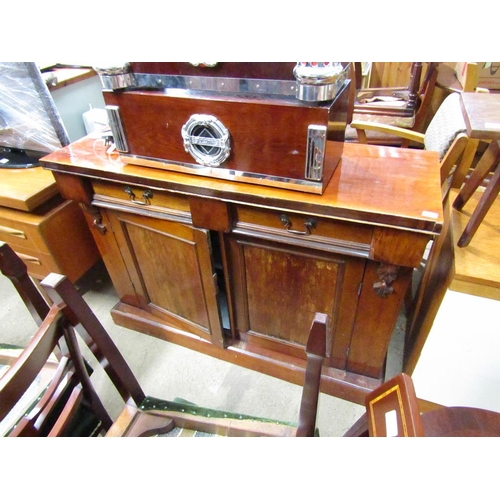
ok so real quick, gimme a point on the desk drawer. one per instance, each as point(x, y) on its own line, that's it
point(21, 230)
point(141, 197)
point(326, 234)
point(39, 264)
point(49, 241)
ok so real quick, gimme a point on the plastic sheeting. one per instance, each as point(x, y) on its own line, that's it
point(29, 119)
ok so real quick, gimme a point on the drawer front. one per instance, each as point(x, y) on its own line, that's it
point(326, 234)
point(39, 264)
point(21, 234)
point(141, 197)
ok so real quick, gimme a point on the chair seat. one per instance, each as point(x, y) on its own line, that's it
point(377, 137)
point(176, 417)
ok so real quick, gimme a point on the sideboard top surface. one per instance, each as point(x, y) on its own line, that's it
point(383, 186)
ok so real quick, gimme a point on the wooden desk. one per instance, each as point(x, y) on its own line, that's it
point(46, 231)
point(237, 271)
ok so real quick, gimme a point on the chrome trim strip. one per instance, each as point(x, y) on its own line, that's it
point(115, 122)
point(216, 84)
point(303, 185)
point(315, 154)
point(122, 81)
point(304, 89)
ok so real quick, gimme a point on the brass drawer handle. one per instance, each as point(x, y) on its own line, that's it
point(309, 224)
point(12, 232)
point(147, 195)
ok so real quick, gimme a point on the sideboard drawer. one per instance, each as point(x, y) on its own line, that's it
point(140, 197)
point(327, 234)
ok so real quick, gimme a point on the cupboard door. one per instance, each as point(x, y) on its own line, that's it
point(278, 288)
point(170, 267)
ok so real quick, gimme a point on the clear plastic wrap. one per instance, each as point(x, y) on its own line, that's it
point(29, 119)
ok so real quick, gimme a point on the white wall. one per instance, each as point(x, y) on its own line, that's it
point(460, 362)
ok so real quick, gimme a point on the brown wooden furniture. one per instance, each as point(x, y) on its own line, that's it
point(482, 111)
point(476, 269)
point(392, 409)
point(396, 401)
point(410, 112)
point(46, 231)
point(446, 135)
point(238, 271)
point(390, 101)
point(71, 406)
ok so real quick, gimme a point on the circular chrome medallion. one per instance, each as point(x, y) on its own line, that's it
point(206, 139)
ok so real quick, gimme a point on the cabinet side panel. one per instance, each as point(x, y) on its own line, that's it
point(375, 322)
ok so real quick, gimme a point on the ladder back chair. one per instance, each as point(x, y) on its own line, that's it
point(70, 404)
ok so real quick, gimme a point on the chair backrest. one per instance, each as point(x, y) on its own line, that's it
point(315, 351)
point(70, 390)
point(70, 399)
point(392, 409)
point(447, 134)
point(446, 124)
point(15, 269)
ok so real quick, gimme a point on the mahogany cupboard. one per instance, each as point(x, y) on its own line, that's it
point(237, 271)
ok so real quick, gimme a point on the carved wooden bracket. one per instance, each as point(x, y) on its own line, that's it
point(96, 214)
point(387, 274)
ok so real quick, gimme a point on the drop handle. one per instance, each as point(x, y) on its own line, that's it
point(144, 200)
point(309, 224)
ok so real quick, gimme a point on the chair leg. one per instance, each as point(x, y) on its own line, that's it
point(481, 210)
point(486, 163)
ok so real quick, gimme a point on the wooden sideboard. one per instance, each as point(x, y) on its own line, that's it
point(237, 271)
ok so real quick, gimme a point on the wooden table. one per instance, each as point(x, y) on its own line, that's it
point(482, 112)
point(237, 271)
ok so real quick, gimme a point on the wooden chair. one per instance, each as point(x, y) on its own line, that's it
point(393, 410)
point(487, 164)
point(70, 404)
point(404, 107)
point(446, 134)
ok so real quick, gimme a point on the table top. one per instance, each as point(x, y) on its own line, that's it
point(384, 186)
point(26, 188)
point(483, 114)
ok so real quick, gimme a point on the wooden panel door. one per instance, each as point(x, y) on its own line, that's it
point(170, 267)
point(278, 288)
